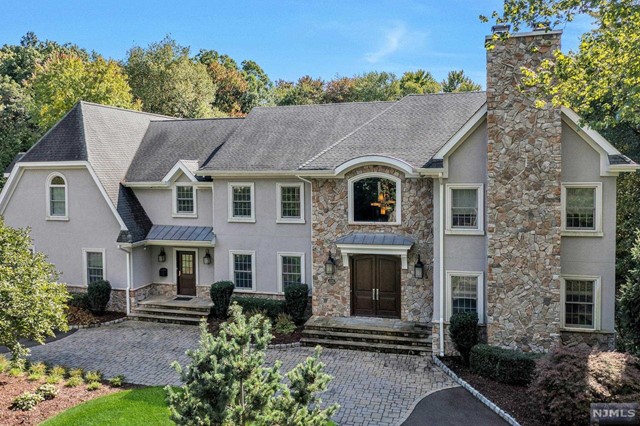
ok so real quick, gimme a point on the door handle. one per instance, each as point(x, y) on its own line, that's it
point(179, 273)
point(377, 294)
point(373, 294)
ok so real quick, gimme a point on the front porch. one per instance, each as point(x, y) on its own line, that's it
point(368, 334)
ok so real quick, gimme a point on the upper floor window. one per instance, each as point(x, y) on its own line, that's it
point(57, 197)
point(581, 302)
point(184, 200)
point(465, 208)
point(581, 208)
point(241, 202)
point(374, 198)
point(290, 202)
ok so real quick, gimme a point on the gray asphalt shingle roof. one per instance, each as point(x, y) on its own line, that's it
point(282, 138)
point(378, 239)
point(166, 142)
point(412, 130)
point(181, 233)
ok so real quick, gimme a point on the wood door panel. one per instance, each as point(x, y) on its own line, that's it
point(388, 286)
point(186, 272)
point(375, 286)
point(362, 278)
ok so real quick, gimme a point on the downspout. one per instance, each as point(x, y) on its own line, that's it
point(441, 263)
point(310, 215)
point(129, 270)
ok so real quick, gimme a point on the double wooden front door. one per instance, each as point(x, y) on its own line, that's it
point(186, 272)
point(375, 286)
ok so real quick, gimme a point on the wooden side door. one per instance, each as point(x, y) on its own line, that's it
point(388, 286)
point(186, 272)
point(362, 285)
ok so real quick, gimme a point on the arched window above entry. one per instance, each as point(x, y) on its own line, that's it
point(57, 197)
point(374, 198)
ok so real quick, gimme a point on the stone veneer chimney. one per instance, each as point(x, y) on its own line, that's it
point(523, 199)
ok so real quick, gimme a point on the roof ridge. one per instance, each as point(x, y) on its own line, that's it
point(443, 93)
point(126, 109)
point(197, 119)
point(324, 151)
point(324, 104)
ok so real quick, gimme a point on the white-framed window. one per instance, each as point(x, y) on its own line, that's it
point(465, 293)
point(375, 199)
point(94, 265)
point(580, 300)
point(184, 200)
point(57, 197)
point(242, 202)
point(465, 209)
point(290, 202)
point(582, 209)
point(242, 269)
point(291, 269)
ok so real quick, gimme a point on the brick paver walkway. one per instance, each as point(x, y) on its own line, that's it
point(371, 388)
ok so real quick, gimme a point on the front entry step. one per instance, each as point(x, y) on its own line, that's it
point(172, 309)
point(368, 334)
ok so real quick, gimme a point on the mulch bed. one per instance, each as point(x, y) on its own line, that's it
point(79, 316)
point(515, 400)
point(11, 387)
point(278, 339)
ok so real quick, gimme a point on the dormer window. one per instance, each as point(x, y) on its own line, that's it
point(184, 200)
point(57, 197)
point(374, 199)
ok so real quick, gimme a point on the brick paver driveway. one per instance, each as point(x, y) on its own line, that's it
point(371, 388)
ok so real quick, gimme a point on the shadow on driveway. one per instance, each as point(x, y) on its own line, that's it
point(452, 407)
point(30, 343)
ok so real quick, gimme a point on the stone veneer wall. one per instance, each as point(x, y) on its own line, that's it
point(117, 302)
point(332, 295)
point(523, 200)
point(603, 340)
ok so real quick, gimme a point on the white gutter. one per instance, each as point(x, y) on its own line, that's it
point(129, 271)
point(310, 216)
point(441, 263)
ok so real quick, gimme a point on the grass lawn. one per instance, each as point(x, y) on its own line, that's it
point(144, 406)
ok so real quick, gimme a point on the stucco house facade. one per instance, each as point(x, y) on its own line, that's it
point(414, 209)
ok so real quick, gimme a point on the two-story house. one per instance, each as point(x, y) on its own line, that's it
point(415, 209)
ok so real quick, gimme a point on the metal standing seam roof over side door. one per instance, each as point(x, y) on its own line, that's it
point(181, 233)
point(379, 239)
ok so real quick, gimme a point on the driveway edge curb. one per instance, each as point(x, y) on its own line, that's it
point(100, 324)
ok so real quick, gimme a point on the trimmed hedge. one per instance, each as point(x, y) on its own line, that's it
point(463, 329)
point(296, 299)
point(503, 365)
point(79, 300)
point(98, 295)
point(270, 307)
point(221, 293)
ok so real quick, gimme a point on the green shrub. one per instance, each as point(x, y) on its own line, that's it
point(296, 299)
point(47, 391)
point(463, 329)
point(98, 295)
point(284, 324)
point(16, 372)
point(569, 380)
point(36, 371)
point(628, 317)
point(221, 293)
point(93, 386)
point(503, 365)
point(76, 372)
point(53, 379)
point(73, 382)
point(93, 376)
point(27, 401)
point(271, 307)
point(116, 381)
point(58, 370)
point(79, 300)
point(4, 364)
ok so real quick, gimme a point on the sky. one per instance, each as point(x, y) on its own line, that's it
point(289, 39)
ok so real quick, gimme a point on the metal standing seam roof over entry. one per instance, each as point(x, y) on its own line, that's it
point(380, 239)
point(181, 233)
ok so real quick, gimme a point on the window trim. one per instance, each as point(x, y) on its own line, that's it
point(303, 275)
point(279, 218)
point(174, 195)
point(232, 277)
point(231, 217)
point(398, 209)
point(597, 302)
point(597, 232)
point(449, 229)
point(85, 273)
point(48, 186)
point(479, 293)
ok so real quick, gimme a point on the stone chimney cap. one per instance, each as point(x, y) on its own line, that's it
point(500, 28)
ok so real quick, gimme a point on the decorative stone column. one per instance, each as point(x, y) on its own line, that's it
point(523, 199)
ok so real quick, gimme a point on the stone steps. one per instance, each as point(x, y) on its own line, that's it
point(165, 319)
point(366, 337)
point(368, 346)
point(170, 310)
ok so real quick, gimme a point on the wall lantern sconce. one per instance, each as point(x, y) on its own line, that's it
point(162, 257)
point(330, 265)
point(419, 269)
point(207, 258)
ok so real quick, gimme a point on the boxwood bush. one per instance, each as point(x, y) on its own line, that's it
point(221, 293)
point(79, 300)
point(98, 295)
point(503, 365)
point(270, 307)
point(296, 298)
point(463, 329)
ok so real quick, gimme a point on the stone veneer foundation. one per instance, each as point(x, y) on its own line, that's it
point(523, 200)
point(332, 295)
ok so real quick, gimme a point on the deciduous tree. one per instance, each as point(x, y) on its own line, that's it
point(457, 81)
point(418, 82)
